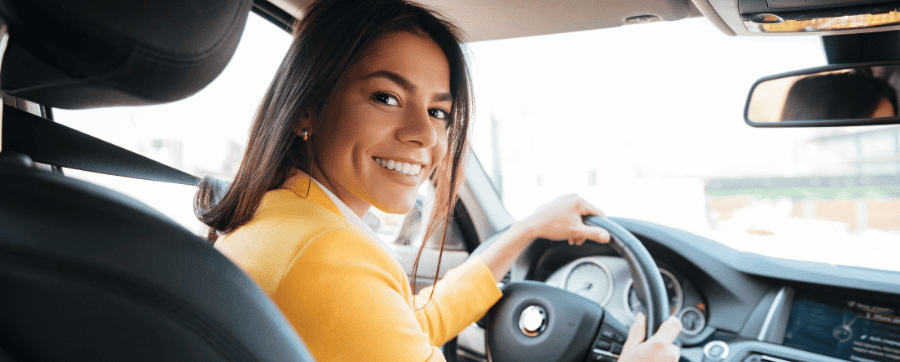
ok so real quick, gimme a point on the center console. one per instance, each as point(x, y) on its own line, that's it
point(851, 329)
point(818, 326)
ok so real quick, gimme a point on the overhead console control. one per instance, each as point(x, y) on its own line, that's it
point(798, 16)
point(780, 4)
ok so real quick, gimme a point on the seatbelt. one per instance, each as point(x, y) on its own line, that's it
point(54, 144)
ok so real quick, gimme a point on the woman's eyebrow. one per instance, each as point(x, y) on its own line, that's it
point(443, 97)
point(405, 84)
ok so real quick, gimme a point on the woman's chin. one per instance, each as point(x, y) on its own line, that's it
point(396, 207)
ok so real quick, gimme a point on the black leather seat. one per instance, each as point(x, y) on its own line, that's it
point(88, 274)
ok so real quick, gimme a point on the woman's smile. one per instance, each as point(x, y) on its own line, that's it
point(406, 168)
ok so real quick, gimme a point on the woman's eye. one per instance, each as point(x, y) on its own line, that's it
point(438, 113)
point(387, 99)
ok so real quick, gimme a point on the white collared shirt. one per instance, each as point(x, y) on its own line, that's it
point(355, 220)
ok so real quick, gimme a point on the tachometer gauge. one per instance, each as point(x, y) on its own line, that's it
point(591, 280)
point(673, 291)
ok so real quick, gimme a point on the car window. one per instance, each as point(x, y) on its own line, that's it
point(408, 230)
point(646, 122)
point(204, 134)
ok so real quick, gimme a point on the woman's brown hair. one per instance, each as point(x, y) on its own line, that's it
point(327, 41)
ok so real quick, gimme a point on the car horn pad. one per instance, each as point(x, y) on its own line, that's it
point(539, 322)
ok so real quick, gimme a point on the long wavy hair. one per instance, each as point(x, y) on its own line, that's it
point(331, 37)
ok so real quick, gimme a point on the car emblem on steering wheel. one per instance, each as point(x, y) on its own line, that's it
point(533, 320)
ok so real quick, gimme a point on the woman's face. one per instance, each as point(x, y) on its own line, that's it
point(390, 109)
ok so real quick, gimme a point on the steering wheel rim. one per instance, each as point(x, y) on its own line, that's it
point(502, 329)
point(648, 282)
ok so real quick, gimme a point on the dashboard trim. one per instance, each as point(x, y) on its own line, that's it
point(782, 299)
point(768, 321)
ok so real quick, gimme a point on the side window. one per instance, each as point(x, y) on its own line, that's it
point(408, 230)
point(204, 134)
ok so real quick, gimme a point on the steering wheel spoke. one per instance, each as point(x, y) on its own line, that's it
point(609, 341)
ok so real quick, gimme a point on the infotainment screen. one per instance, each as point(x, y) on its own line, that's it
point(853, 330)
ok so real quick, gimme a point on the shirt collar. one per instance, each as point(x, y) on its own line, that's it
point(354, 219)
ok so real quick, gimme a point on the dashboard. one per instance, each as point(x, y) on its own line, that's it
point(748, 307)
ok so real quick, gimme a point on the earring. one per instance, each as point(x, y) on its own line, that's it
point(305, 134)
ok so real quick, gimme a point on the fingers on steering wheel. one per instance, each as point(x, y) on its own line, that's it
point(589, 232)
point(589, 209)
point(663, 339)
point(668, 331)
point(637, 332)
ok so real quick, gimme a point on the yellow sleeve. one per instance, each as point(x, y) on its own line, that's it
point(461, 297)
point(347, 304)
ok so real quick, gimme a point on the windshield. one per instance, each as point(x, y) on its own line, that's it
point(646, 122)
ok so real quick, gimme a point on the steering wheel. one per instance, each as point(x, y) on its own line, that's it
point(537, 322)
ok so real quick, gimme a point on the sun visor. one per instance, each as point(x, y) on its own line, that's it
point(489, 20)
point(102, 53)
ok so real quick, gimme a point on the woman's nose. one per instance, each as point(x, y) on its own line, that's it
point(417, 128)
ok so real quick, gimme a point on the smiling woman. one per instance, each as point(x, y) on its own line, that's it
point(371, 101)
point(347, 125)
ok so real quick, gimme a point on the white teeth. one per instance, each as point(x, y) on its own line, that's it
point(401, 167)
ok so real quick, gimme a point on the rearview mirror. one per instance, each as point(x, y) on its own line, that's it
point(836, 95)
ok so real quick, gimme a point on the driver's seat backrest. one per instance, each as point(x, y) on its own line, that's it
point(88, 274)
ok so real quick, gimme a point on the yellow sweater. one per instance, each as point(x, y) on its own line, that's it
point(344, 294)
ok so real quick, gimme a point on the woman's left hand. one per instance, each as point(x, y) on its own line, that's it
point(557, 220)
point(561, 219)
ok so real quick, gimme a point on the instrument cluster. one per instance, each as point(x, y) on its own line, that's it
point(607, 281)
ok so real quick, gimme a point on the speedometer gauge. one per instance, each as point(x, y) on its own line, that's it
point(673, 291)
point(591, 280)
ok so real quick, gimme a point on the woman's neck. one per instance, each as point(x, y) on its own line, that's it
point(355, 204)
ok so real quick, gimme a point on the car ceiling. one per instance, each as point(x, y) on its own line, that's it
point(492, 20)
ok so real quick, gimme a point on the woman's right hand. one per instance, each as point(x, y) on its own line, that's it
point(658, 348)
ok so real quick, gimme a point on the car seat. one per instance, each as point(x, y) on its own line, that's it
point(87, 273)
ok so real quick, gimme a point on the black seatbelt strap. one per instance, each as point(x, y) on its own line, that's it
point(51, 143)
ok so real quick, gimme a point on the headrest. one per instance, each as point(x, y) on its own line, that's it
point(99, 53)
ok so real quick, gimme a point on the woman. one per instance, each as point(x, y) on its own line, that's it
point(371, 101)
